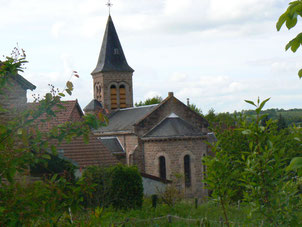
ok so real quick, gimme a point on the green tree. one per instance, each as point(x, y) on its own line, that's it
point(290, 18)
point(150, 101)
point(195, 109)
point(22, 144)
point(249, 165)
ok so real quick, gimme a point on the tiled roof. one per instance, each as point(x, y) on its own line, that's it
point(86, 154)
point(63, 115)
point(124, 119)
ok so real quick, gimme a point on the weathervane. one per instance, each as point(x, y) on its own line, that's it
point(109, 4)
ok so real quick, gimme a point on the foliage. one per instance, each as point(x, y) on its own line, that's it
point(22, 144)
point(290, 18)
point(150, 101)
point(172, 193)
point(54, 165)
point(99, 180)
point(127, 187)
point(207, 212)
point(281, 123)
point(221, 121)
point(222, 177)
point(42, 202)
point(269, 188)
point(196, 109)
point(119, 186)
point(250, 165)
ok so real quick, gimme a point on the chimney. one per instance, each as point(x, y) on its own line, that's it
point(170, 94)
point(188, 102)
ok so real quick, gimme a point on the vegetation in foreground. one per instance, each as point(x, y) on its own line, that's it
point(183, 213)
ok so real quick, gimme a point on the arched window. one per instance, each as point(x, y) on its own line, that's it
point(99, 92)
point(204, 168)
point(113, 97)
point(187, 168)
point(162, 167)
point(122, 96)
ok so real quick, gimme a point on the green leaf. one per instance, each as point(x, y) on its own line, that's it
point(263, 103)
point(291, 22)
point(296, 163)
point(46, 156)
point(69, 85)
point(300, 73)
point(250, 102)
point(62, 94)
point(246, 132)
point(68, 91)
point(281, 21)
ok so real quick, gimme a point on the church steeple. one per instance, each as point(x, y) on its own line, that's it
point(111, 58)
point(112, 77)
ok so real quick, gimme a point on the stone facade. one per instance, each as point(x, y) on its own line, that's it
point(12, 99)
point(174, 152)
point(104, 80)
point(169, 105)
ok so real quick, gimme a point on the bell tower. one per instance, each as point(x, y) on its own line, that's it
point(112, 77)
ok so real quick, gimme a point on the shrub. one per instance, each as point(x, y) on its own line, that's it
point(127, 187)
point(98, 182)
point(120, 186)
point(54, 165)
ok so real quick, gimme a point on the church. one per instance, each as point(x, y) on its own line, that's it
point(165, 140)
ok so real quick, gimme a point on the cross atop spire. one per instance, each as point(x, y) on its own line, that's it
point(111, 58)
point(109, 4)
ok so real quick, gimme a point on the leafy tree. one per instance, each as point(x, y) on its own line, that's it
point(22, 144)
point(290, 18)
point(195, 109)
point(150, 101)
point(249, 165)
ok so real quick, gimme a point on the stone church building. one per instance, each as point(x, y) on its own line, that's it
point(163, 140)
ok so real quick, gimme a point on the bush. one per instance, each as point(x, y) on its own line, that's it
point(119, 186)
point(54, 165)
point(127, 187)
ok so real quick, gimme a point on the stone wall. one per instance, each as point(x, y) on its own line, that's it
point(13, 99)
point(171, 105)
point(132, 146)
point(174, 152)
point(102, 83)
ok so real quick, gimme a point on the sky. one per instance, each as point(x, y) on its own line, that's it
point(217, 53)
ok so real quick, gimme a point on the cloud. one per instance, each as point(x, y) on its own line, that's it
point(57, 29)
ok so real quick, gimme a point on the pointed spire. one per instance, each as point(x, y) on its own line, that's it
point(111, 58)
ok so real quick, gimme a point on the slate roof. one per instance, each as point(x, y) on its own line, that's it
point(111, 58)
point(124, 119)
point(24, 83)
point(173, 126)
point(87, 154)
point(112, 144)
point(93, 105)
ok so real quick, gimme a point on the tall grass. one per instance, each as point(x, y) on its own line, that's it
point(182, 214)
